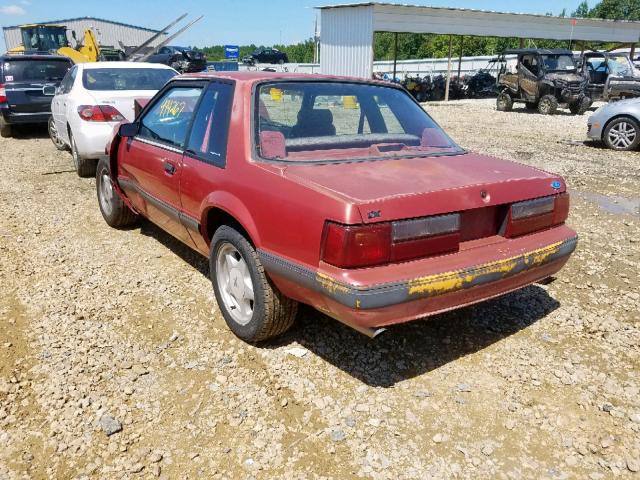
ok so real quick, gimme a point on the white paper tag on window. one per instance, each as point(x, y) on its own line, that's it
point(9, 78)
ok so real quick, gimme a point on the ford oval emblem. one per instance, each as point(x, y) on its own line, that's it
point(556, 184)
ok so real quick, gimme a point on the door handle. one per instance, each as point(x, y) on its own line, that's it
point(169, 167)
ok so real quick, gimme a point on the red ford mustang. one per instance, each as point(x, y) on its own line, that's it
point(337, 193)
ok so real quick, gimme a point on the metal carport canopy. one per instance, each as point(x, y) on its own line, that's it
point(346, 36)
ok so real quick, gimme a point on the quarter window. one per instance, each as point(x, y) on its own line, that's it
point(67, 82)
point(168, 119)
point(208, 140)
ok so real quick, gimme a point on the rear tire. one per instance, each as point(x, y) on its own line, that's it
point(85, 167)
point(114, 211)
point(5, 129)
point(504, 102)
point(253, 308)
point(54, 136)
point(548, 105)
point(622, 134)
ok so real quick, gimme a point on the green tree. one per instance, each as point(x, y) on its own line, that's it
point(582, 11)
point(617, 10)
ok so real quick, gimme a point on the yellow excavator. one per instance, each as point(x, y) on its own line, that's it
point(53, 38)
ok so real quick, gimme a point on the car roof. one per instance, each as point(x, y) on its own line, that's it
point(32, 56)
point(543, 51)
point(260, 76)
point(92, 65)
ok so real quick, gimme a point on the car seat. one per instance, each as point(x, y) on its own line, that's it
point(314, 122)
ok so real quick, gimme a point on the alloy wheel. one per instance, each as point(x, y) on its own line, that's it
point(106, 193)
point(55, 136)
point(622, 135)
point(235, 284)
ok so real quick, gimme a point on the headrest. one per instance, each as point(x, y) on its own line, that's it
point(315, 115)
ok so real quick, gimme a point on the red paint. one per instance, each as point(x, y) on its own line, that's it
point(284, 207)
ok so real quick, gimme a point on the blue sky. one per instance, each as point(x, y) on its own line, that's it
point(229, 22)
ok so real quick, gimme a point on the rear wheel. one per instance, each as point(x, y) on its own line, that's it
point(548, 105)
point(5, 128)
point(55, 136)
point(504, 102)
point(114, 211)
point(85, 167)
point(253, 308)
point(622, 134)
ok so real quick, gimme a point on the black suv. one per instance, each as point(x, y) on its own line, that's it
point(266, 55)
point(543, 79)
point(23, 79)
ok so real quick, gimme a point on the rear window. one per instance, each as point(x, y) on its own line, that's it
point(341, 121)
point(35, 70)
point(126, 78)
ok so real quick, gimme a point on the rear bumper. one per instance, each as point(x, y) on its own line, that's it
point(92, 137)
point(379, 304)
point(14, 118)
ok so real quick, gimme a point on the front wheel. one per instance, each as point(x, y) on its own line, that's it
point(548, 105)
point(622, 134)
point(253, 308)
point(504, 102)
point(581, 106)
point(114, 211)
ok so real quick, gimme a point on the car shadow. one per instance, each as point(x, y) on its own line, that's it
point(559, 112)
point(413, 349)
point(29, 132)
point(403, 351)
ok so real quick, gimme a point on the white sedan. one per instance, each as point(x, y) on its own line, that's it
point(92, 98)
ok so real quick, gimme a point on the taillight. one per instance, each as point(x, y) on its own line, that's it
point(3, 93)
point(350, 246)
point(99, 113)
point(537, 214)
point(354, 246)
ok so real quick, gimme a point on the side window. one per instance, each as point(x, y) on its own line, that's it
point(67, 81)
point(208, 139)
point(168, 119)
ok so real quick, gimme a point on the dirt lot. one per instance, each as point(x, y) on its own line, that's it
point(101, 329)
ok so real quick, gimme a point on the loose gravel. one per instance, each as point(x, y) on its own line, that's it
point(116, 363)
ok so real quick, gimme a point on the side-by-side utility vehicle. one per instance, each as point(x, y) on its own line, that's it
point(341, 194)
point(543, 80)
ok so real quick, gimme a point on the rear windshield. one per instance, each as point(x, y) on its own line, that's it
point(341, 121)
point(35, 70)
point(126, 78)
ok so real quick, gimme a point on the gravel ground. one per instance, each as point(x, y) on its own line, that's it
point(116, 363)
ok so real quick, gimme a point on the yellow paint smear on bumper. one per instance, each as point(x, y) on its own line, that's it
point(453, 281)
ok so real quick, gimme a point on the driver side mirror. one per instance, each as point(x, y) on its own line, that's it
point(128, 129)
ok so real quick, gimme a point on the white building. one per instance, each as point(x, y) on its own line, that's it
point(107, 32)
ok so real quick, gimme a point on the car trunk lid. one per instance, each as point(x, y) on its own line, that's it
point(415, 187)
point(122, 100)
point(24, 80)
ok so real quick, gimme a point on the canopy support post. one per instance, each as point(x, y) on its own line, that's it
point(460, 56)
point(395, 55)
point(446, 88)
